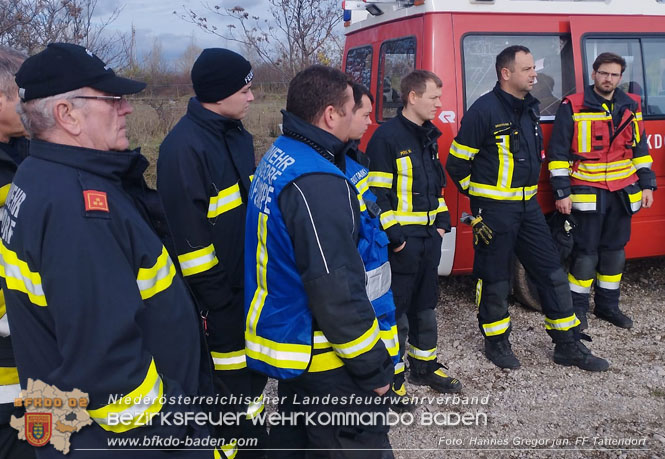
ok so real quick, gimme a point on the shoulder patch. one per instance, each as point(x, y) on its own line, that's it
point(95, 200)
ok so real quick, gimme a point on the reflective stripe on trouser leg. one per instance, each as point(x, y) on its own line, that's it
point(422, 331)
point(580, 279)
point(610, 269)
point(493, 318)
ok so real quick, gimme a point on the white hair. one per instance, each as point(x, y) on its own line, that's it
point(37, 114)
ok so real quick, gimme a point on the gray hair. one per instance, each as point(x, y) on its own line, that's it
point(37, 114)
point(10, 62)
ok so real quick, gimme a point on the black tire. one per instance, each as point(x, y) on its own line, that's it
point(524, 289)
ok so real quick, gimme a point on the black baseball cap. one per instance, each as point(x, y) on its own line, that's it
point(63, 67)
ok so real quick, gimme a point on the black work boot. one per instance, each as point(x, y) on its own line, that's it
point(574, 353)
point(431, 374)
point(500, 353)
point(615, 317)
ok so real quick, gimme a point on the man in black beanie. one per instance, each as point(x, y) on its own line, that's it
point(203, 175)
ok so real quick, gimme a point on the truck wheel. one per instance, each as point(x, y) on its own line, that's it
point(524, 289)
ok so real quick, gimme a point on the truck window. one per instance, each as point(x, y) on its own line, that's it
point(397, 58)
point(359, 65)
point(645, 67)
point(554, 64)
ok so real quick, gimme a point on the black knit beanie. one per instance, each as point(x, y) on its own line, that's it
point(219, 73)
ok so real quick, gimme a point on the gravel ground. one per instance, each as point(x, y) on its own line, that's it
point(543, 409)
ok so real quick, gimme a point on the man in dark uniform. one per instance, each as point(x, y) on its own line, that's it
point(13, 149)
point(203, 175)
point(600, 170)
point(94, 300)
point(495, 160)
point(407, 179)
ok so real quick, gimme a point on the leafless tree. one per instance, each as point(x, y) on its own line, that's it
point(299, 33)
point(30, 25)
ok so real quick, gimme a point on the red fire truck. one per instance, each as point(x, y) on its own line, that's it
point(458, 40)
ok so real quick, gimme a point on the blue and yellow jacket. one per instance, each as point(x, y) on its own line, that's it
point(305, 292)
point(373, 248)
point(94, 299)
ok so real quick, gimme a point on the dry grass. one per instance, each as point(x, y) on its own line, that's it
point(153, 118)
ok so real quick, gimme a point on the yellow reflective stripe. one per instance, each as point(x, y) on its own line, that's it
point(324, 362)
point(8, 375)
point(320, 341)
point(506, 163)
point(465, 182)
point(230, 450)
point(583, 197)
point(404, 184)
point(4, 191)
point(279, 355)
point(255, 407)
point(251, 178)
point(558, 168)
point(225, 361)
point(561, 324)
point(636, 129)
point(609, 282)
point(149, 392)
point(18, 276)
point(360, 345)
point(380, 179)
point(479, 291)
point(422, 354)
point(638, 116)
point(261, 292)
point(412, 218)
point(642, 161)
point(497, 328)
point(579, 285)
point(399, 368)
point(502, 194)
point(602, 176)
point(592, 116)
point(584, 136)
point(363, 185)
point(442, 206)
point(361, 203)
point(153, 280)
point(462, 151)
point(612, 166)
point(390, 340)
point(198, 261)
point(227, 199)
point(388, 219)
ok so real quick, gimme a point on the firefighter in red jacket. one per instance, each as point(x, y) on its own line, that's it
point(600, 171)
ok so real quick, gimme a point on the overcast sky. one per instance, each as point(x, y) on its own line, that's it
point(155, 19)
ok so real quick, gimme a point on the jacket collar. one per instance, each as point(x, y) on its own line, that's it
point(115, 165)
point(592, 100)
point(513, 102)
point(326, 144)
point(428, 132)
point(209, 119)
point(14, 151)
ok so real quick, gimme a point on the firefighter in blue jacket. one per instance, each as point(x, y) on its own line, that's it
point(13, 149)
point(310, 323)
point(93, 296)
point(495, 160)
point(203, 175)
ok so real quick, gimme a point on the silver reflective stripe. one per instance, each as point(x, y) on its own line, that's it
point(584, 135)
point(500, 327)
point(378, 281)
point(274, 354)
point(584, 206)
point(4, 326)
point(641, 165)
point(407, 219)
point(161, 273)
point(559, 173)
point(635, 206)
point(608, 285)
point(9, 393)
point(362, 346)
point(14, 271)
point(578, 288)
point(562, 325)
point(320, 338)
